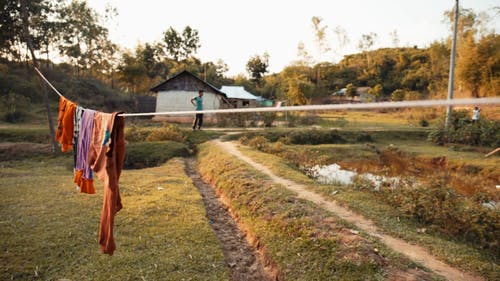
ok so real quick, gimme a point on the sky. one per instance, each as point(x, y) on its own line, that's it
point(236, 30)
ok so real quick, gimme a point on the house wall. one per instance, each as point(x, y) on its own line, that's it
point(178, 100)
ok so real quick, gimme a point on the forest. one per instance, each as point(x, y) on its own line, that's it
point(70, 42)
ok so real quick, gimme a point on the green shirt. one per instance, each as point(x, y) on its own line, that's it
point(199, 103)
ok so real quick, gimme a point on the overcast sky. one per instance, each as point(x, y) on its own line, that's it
point(235, 30)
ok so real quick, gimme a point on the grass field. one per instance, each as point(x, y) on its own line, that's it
point(49, 230)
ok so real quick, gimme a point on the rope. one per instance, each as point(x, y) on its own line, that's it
point(47, 81)
point(371, 105)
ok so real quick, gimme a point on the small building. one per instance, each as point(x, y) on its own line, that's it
point(361, 96)
point(238, 97)
point(175, 94)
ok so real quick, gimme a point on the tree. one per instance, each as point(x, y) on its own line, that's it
point(342, 38)
point(257, 66)
point(350, 90)
point(181, 46)
point(26, 9)
point(190, 41)
point(304, 58)
point(83, 38)
point(367, 41)
point(173, 43)
point(12, 24)
point(395, 38)
point(376, 91)
point(321, 44)
point(398, 95)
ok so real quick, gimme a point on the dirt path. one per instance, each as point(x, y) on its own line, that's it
point(241, 258)
point(415, 253)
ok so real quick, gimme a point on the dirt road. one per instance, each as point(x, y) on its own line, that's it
point(415, 253)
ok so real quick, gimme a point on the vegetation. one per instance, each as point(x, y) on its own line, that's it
point(391, 219)
point(49, 230)
point(151, 154)
point(78, 34)
point(294, 230)
point(462, 130)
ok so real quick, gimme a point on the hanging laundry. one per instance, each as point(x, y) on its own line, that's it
point(106, 155)
point(65, 124)
point(83, 173)
point(76, 131)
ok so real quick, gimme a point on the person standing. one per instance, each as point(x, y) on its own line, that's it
point(198, 103)
point(475, 114)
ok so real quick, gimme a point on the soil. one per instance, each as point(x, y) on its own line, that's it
point(414, 252)
point(244, 262)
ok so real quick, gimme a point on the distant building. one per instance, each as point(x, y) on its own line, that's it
point(238, 97)
point(175, 94)
point(361, 95)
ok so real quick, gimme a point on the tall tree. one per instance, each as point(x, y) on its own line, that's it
point(181, 46)
point(257, 66)
point(83, 38)
point(12, 26)
point(173, 43)
point(321, 44)
point(26, 11)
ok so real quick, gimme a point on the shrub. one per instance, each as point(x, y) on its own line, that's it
point(168, 132)
point(445, 210)
point(463, 131)
point(315, 137)
point(136, 134)
point(423, 123)
point(258, 142)
point(149, 154)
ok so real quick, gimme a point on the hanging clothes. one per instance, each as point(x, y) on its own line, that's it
point(65, 124)
point(76, 131)
point(83, 173)
point(106, 155)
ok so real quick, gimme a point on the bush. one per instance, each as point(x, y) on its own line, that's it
point(463, 131)
point(443, 209)
point(149, 154)
point(315, 137)
point(168, 132)
point(16, 107)
point(136, 134)
point(423, 123)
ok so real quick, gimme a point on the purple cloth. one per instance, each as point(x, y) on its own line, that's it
point(84, 140)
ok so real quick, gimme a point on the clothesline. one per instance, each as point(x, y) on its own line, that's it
point(322, 107)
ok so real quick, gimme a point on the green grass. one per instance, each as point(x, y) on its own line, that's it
point(48, 230)
point(388, 219)
point(305, 241)
point(21, 133)
point(148, 154)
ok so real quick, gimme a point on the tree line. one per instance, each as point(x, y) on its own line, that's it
point(75, 34)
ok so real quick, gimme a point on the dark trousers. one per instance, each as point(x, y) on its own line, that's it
point(198, 121)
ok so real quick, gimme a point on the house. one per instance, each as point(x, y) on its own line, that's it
point(238, 97)
point(361, 95)
point(175, 94)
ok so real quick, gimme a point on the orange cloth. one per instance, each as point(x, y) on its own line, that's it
point(86, 185)
point(65, 124)
point(106, 155)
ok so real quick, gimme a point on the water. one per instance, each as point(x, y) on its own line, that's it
point(334, 174)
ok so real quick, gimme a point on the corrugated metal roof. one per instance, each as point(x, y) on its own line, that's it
point(237, 92)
